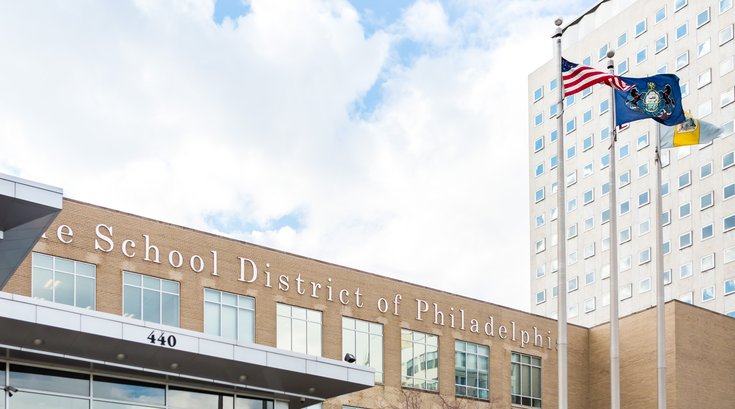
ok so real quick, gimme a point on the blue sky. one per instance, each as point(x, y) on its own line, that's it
point(389, 136)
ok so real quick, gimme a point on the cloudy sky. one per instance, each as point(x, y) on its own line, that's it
point(384, 135)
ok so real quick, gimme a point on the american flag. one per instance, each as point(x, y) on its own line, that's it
point(578, 77)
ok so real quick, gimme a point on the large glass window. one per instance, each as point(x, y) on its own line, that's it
point(471, 363)
point(49, 388)
point(525, 380)
point(229, 315)
point(150, 299)
point(64, 281)
point(419, 360)
point(299, 329)
point(364, 340)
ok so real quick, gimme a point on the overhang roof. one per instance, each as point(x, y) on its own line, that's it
point(26, 210)
point(36, 326)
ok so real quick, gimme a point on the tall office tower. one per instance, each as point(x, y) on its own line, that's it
point(694, 40)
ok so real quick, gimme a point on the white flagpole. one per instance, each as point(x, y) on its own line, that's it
point(660, 312)
point(614, 299)
point(561, 228)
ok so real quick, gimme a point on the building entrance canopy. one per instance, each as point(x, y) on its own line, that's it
point(50, 332)
point(26, 210)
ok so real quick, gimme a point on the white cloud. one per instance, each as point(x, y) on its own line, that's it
point(150, 107)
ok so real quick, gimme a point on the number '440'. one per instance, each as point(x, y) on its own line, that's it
point(162, 339)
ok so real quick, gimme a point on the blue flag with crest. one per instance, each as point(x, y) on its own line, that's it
point(657, 97)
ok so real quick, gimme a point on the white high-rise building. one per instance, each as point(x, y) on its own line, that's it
point(694, 40)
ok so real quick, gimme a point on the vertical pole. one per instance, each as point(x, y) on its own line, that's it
point(614, 298)
point(660, 312)
point(561, 228)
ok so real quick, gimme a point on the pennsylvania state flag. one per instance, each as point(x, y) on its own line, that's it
point(690, 132)
point(657, 97)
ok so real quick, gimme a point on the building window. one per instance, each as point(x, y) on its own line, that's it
point(667, 277)
point(705, 170)
point(624, 179)
point(729, 286)
point(299, 329)
point(64, 281)
point(685, 209)
point(727, 97)
point(687, 297)
point(539, 195)
point(571, 125)
point(728, 191)
point(703, 48)
point(588, 196)
point(538, 119)
point(703, 17)
point(471, 363)
point(641, 56)
point(553, 84)
point(419, 360)
point(624, 235)
point(685, 240)
point(679, 4)
point(685, 270)
point(685, 179)
point(572, 284)
point(553, 110)
point(661, 43)
point(622, 68)
point(643, 170)
point(708, 231)
point(540, 220)
point(588, 170)
point(541, 297)
point(644, 227)
point(644, 285)
point(660, 14)
point(704, 78)
point(682, 31)
point(602, 52)
point(571, 152)
point(728, 255)
point(624, 207)
point(525, 380)
point(622, 39)
point(589, 223)
point(587, 116)
point(666, 218)
point(682, 60)
point(727, 65)
point(626, 291)
point(539, 169)
point(538, 93)
point(364, 340)
point(666, 247)
point(589, 278)
point(728, 159)
point(725, 5)
point(640, 27)
point(725, 35)
point(728, 223)
point(624, 151)
point(150, 299)
point(604, 133)
point(706, 201)
point(708, 293)
point(707, 263)
point(229, 315)
point(604, 161)
point(644, 198)
point(644, 256)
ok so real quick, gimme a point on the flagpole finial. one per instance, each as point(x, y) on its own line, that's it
point(558, 22)
point(610, 53)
